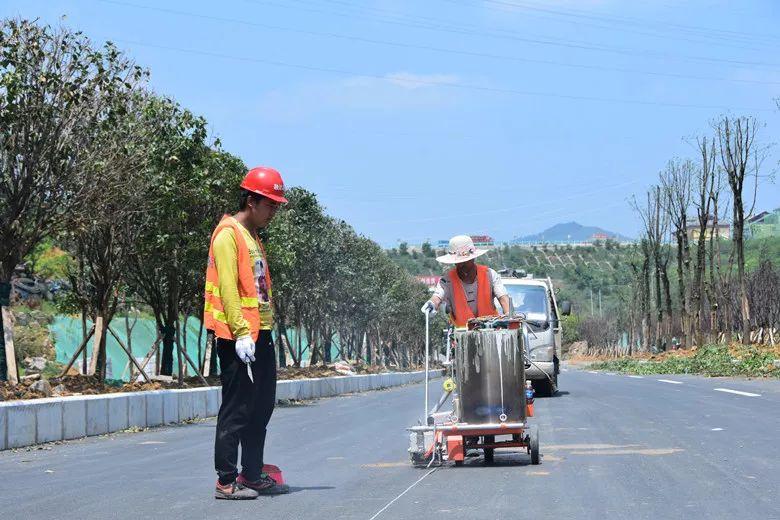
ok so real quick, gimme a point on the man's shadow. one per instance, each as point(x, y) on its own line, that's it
point(297, 489)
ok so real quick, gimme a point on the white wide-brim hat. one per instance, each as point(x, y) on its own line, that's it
point(461, 249)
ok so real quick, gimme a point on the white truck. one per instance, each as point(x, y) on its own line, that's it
point(535, 298)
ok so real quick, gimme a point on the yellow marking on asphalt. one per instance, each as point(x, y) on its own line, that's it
point(551, 458)
point(590, 446)
point(637, 451)
point(386, 464)
point(539, 473)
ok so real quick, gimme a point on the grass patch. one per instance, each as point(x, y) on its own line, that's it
point(710, 360)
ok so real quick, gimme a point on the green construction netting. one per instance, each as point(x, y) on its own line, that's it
point(67, 334)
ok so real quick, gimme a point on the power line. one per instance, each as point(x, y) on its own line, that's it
point(437, 49)
point(578, 15)
point(670, 34)
point(448, 84)
point(526, 206)
point(550, 42)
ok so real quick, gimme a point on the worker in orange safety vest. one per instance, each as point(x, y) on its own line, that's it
point(239, 312)
point(469, 288)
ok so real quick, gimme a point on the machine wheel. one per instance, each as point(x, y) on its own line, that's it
point(533, 445)
point(489, 452)
point(459, 463)
point(419, 460)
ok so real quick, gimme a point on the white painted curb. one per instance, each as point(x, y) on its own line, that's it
point(35, 421)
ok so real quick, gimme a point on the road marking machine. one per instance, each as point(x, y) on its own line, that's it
point(491, 398)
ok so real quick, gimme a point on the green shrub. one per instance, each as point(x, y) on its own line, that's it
point(711, 360)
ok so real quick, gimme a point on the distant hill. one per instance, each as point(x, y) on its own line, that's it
point(571, 232)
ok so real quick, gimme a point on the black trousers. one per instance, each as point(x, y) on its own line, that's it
point(246, 408)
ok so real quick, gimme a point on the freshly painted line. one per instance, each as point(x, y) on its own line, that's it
point(636, 377)
point(730, 391)
point(670, 381)
point(402, 494)
point(592, 372)
point(717, 429)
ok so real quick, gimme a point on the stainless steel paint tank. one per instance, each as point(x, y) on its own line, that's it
point(490, 376)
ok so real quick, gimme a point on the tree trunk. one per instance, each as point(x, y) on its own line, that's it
point(282, 340)
point(167, 333)
point(5, 330)
point(681, 287)
point(84, 366)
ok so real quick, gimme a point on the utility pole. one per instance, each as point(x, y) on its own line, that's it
point(601, 315)
point(591, 301)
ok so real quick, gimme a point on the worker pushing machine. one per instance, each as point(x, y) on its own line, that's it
point(239, 311)
point(469, 288)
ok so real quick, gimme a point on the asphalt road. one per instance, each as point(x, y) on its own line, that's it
point(613, 446)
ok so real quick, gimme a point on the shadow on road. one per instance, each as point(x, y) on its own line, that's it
point(296, 489)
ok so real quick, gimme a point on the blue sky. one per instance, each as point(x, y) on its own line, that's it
point(422, 119)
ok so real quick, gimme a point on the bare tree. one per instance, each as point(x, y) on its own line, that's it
point(740, 159)
point(702, 201)
point(676, 181)
point(656, 224)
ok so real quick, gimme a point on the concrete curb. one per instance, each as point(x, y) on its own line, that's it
point(25, 423)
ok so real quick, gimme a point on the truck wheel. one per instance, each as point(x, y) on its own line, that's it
point(533, 445)
point(542, 387)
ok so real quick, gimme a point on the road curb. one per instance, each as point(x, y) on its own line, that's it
point(35, 421)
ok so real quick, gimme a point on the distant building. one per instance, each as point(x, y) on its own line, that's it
point(483, 240)
point(599, 236)
point(764, 225)
point(723, 231)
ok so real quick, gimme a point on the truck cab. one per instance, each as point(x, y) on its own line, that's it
point(535, 298)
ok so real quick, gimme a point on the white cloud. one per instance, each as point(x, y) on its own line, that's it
point(394, 92)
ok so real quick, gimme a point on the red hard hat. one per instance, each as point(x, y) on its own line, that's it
point(265, 181)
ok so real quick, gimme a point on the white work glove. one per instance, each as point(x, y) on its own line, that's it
point(245, 349)
point(428, 308)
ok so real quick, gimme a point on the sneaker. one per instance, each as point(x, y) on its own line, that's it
point(234, 491)
point(265, 485)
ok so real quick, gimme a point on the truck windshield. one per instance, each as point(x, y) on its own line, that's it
point(531, 300)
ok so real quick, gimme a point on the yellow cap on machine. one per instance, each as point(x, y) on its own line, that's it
point(449, 385)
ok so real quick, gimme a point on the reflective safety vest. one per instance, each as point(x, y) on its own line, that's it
point(214, 317)
point(461, 312)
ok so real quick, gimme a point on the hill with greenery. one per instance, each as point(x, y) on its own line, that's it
point(571, 232)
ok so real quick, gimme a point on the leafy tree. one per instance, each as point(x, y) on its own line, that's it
point(190, 184)
point(58, 94)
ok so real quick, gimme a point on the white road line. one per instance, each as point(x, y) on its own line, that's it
point(636, 377)
point(565, 369)
point(730, 391)
point(717, 429)
point(402, 494)
point(592, 372)
point(670, 381)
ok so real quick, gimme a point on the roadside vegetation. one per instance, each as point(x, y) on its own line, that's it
point(710, 360)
